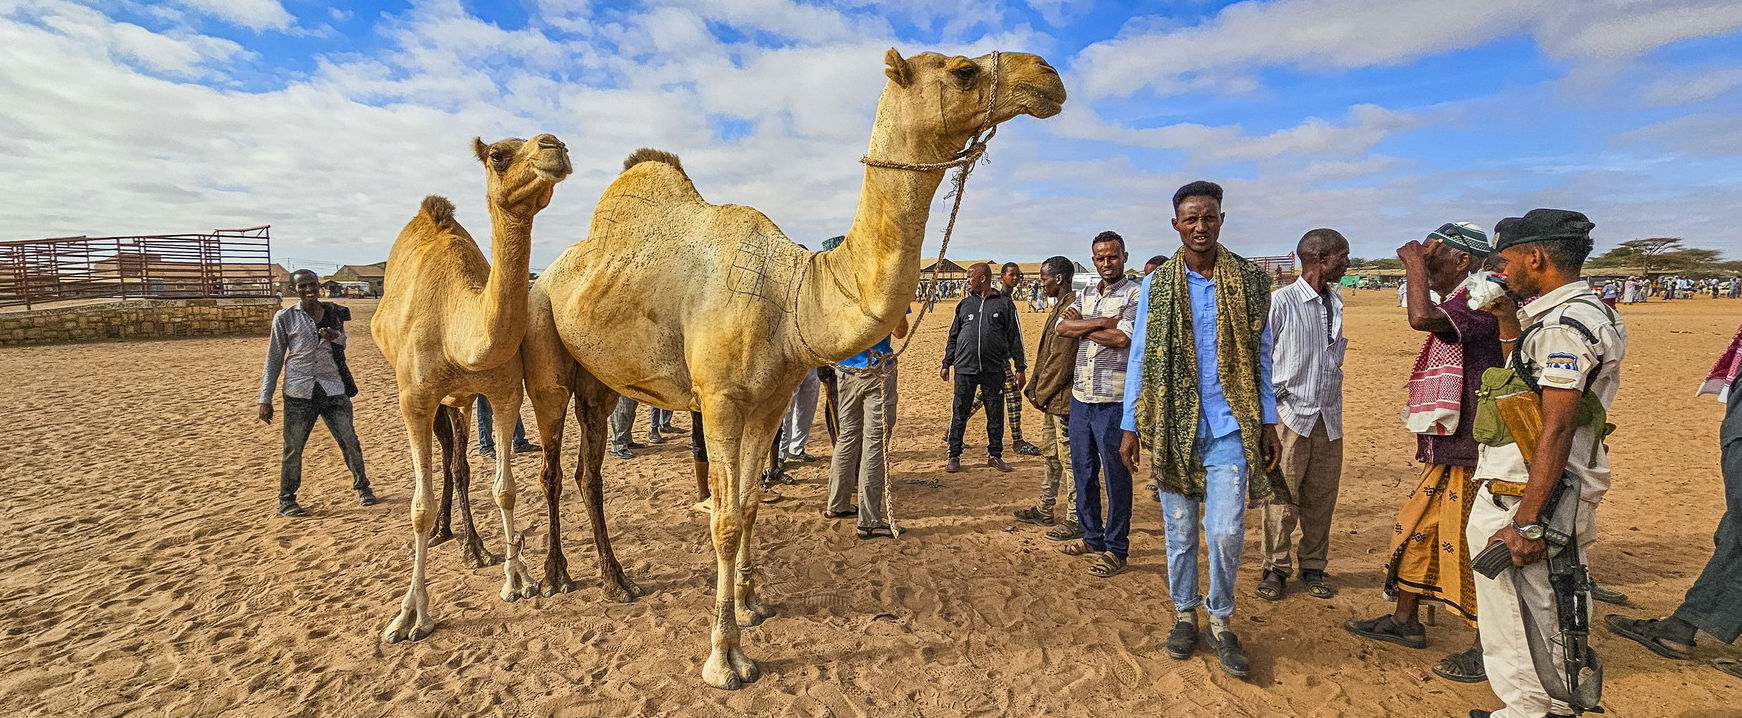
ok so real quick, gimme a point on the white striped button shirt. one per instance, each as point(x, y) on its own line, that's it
point(1307, 358)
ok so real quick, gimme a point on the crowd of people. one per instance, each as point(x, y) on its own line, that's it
point(1234, 391)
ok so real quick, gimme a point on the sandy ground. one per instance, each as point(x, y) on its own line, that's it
point(145, 573)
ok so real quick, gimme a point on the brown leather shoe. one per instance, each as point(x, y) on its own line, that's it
point(953, 466)
point(997, 462)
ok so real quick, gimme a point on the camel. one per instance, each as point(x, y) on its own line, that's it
point(732, 336)
point(451, 325)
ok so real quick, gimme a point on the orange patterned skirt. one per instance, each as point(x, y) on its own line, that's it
point(1428, 553)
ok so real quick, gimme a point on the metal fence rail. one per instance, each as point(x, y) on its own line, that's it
point(225, 263)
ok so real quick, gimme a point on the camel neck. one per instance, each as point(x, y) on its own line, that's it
point(864, 286)
point(503, 297)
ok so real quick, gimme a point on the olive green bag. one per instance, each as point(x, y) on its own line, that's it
point(1490, 429)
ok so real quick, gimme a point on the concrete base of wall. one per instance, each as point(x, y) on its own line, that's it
point(139, 319)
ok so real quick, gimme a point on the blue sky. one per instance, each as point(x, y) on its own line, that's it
point(1382, 118)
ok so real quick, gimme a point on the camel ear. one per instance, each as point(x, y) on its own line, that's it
point(897, 69)
point(480, 149)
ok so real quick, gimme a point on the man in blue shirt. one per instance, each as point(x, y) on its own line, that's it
point(1206, 410)
point(866, 384)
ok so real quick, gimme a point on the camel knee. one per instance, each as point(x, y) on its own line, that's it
point(422, 520)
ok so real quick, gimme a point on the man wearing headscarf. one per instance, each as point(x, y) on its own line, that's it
point(1429, 559)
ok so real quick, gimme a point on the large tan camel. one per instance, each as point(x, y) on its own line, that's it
point(451, 325)
point(751, 311)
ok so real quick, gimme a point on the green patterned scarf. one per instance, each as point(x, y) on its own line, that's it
point(1168, 406)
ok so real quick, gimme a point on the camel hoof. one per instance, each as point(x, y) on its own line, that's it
point(750, 617)
point(475, 556)
point(558, 582)
point(718, 673)
point(518, 582)
point(622, 590)
point(410, 625)
point(440, 536)
point(746, 669)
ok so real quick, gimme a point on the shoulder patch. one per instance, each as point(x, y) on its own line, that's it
point(1562, 360)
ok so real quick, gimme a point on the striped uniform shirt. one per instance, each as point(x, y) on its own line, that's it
point(306, 359)
point(1307, 358)
point(1100, 370)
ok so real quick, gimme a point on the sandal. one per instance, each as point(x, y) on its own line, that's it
point(1033, 515)
point(849, 513)
point(874, 532)
point(1463, 667)
point(1271, 586)
point(1108, 566)
point(1412, 635)
point(1728, 665)
point(1075, 548)
point(292, 511)
point(1316, 585)
point(1640, 631)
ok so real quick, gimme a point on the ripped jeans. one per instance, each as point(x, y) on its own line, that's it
point(1222, 512)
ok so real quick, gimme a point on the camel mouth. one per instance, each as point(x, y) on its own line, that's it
point(553, 170)
point(1042, 102)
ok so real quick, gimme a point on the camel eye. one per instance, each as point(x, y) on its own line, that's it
point(495, 156)
point(965, 73)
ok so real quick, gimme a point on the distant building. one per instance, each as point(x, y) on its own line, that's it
point(352, 276)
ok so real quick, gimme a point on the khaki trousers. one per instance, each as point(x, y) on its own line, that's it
point(1055, 446)
point(1505, 645)
point(1313, 467)
point(858, 460)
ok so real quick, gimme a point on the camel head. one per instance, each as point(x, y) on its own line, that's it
point(947, 94)
point(522, 173)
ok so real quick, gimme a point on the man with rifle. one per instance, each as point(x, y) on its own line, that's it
point(1543, 469)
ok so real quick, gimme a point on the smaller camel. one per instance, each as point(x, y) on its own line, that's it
point(450, 324)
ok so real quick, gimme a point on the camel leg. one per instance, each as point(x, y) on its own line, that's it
point(414, 621)
point(472, 551)
point(593, 403)
point(517, 582)
point(549, 405)
point(735, 448)
point(444, 434)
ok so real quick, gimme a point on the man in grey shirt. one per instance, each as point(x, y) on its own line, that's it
point(305, 336)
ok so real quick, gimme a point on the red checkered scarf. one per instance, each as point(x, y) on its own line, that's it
point(1725, 370)
point(1436, 385)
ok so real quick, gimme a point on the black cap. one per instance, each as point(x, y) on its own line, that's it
point(1542, 225)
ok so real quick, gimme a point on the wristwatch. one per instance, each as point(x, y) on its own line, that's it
point(1530, 532)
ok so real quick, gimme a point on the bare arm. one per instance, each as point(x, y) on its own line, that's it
point(1424, 315)
point(1111, 338)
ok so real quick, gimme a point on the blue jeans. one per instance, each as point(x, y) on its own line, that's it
point(1095, 434)
point(1222, 513)
point(487, 428)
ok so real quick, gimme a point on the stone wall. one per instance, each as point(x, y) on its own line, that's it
point(139, 319)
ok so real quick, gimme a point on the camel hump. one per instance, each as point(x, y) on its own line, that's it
point(648, 154)
point(438, 209)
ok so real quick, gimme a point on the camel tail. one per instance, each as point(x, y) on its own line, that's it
point(438, 209)
point(647, 154)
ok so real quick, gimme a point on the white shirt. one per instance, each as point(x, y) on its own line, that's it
point(306, 359)
point(1565, 358)
point(1307, 358)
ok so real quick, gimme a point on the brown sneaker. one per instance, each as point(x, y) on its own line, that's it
point(953, 465)
point(997, 462)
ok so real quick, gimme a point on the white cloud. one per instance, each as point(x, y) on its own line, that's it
point(1681, 88)
point(1223, 52)
point(180, 53)
point(1367, 126)
point(251, 14)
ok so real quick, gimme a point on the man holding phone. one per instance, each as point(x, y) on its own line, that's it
point(1569, 346)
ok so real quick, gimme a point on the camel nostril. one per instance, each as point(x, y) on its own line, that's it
point(1047, 69)
point(551, 143)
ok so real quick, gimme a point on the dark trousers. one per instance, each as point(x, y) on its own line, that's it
point(299, 420)
point(990, 387)
point(1095, 434)
point(487, 428)
point(1714, 602)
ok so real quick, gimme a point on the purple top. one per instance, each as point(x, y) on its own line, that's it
point(1478, 332)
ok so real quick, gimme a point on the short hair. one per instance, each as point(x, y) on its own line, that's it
point(1156, 260)
point(1009, 266)
point(983, 265)
point(310, 272)
point(1567, 255)
point(1200, 188)
point(1063, 267)
point(1108, 236)
point(1318, 241)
